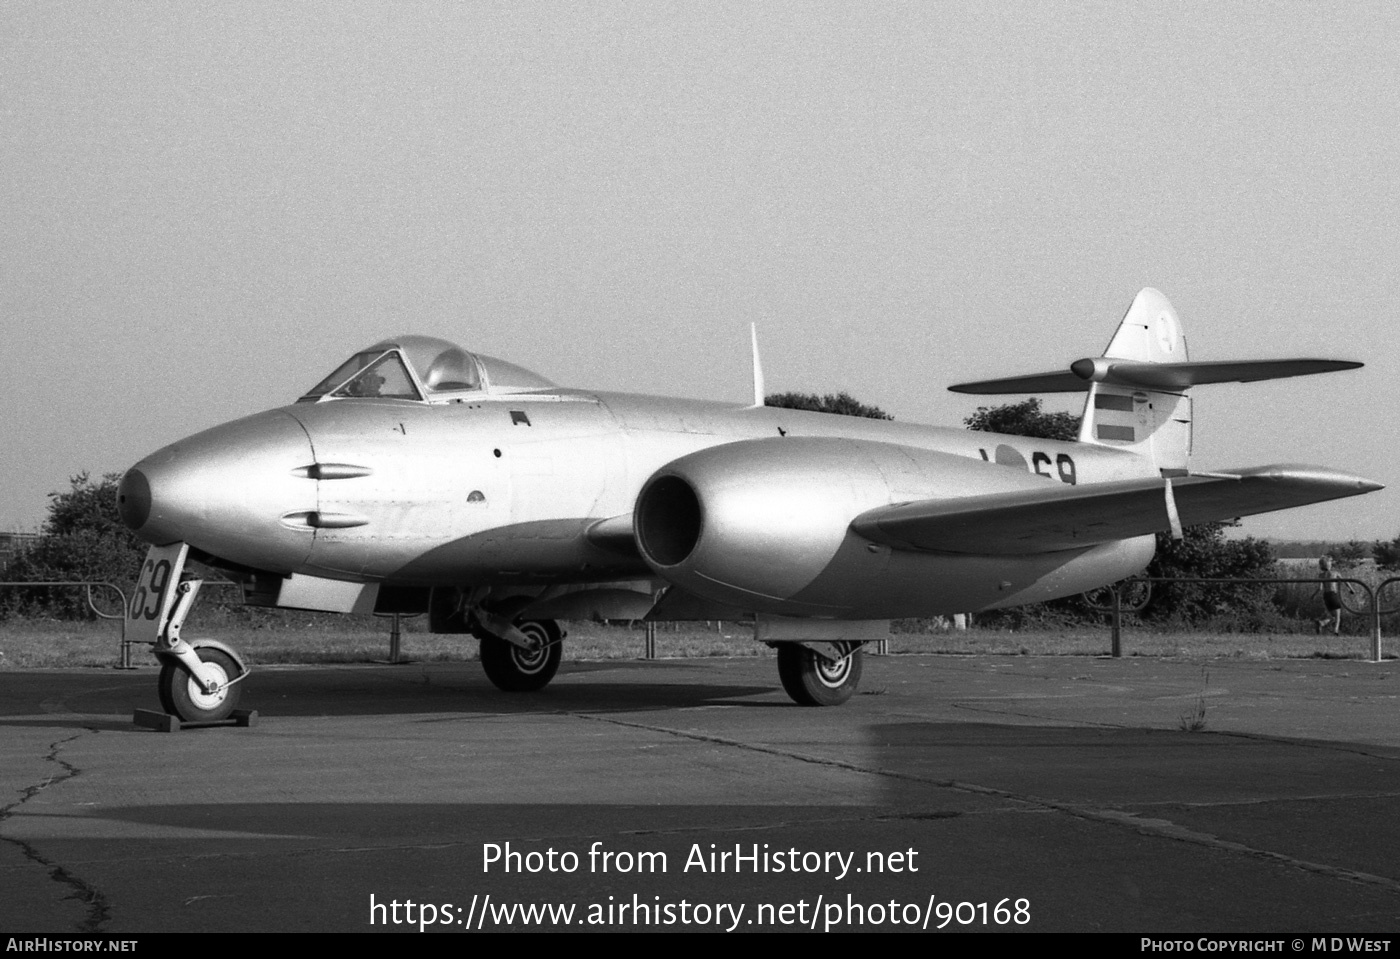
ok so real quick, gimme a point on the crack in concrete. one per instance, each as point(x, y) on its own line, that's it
point(1161, 828)
point(98, 911)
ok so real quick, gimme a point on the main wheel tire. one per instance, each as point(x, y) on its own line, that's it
point(183, 697)
point(813, 680)
point(517, 670)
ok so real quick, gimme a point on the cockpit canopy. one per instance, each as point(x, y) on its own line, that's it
point(425, 369)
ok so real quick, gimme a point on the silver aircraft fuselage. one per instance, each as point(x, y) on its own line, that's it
point(515, 490)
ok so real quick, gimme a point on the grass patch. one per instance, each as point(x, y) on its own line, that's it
point(1194, 721)
point(30, 644)
point(37, 644)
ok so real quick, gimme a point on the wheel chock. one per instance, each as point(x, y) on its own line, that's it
point(166, 723)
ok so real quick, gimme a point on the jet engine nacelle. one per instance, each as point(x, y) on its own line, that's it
point(765, 524)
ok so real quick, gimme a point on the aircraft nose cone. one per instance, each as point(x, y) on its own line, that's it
point(134, 499)
point(224, 491)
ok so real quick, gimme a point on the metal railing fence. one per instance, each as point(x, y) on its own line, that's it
point(1138, 597)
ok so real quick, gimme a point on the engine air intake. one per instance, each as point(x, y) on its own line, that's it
point(669, 520)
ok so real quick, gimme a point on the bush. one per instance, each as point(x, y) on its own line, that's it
point(1024, 419)
point(842, 404)
point(1387, 555)
point(82, 539)
point(1203, 552)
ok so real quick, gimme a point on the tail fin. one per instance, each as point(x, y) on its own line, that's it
point(1137, 389)
point(1155, 423)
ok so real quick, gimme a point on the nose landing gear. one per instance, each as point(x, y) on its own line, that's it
point(198, 679)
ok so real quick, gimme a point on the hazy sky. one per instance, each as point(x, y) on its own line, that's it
point(205, 207)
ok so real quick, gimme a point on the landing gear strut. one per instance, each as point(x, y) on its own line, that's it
point(198, 679)
point(819, 674)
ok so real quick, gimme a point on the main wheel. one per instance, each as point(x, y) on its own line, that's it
point(517, 670)
point(182, 696)
point(813, 680)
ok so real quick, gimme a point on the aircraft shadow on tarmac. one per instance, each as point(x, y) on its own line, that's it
point(392, 822)
point(79, 702)
point(415, 690)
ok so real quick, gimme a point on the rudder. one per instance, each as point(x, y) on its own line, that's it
point(1151, 423)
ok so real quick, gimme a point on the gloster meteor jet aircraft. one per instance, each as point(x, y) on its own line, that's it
point(419, 477)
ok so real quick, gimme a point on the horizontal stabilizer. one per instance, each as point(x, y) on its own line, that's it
point(1135, 374)
point(1061, 517)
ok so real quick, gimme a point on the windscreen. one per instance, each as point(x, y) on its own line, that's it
point(386, 378)
point(342, 373)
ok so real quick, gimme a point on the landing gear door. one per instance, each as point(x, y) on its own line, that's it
point(154, 598)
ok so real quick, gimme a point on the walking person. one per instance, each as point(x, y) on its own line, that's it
point(1331, 597)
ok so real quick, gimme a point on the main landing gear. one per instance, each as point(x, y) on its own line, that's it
point(819, 674)
point(520, 656)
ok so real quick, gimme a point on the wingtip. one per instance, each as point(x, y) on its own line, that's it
point(1321, 475)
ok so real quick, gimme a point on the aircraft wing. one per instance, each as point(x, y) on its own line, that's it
point(615, 535)
point(1061, 517)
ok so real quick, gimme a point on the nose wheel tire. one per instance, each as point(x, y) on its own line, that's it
point(518, 670)
point(813, 680)
point(182, 696)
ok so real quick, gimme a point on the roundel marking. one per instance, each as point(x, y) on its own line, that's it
point(1009, 456)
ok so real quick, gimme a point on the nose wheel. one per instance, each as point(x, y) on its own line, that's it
point(189, 699)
